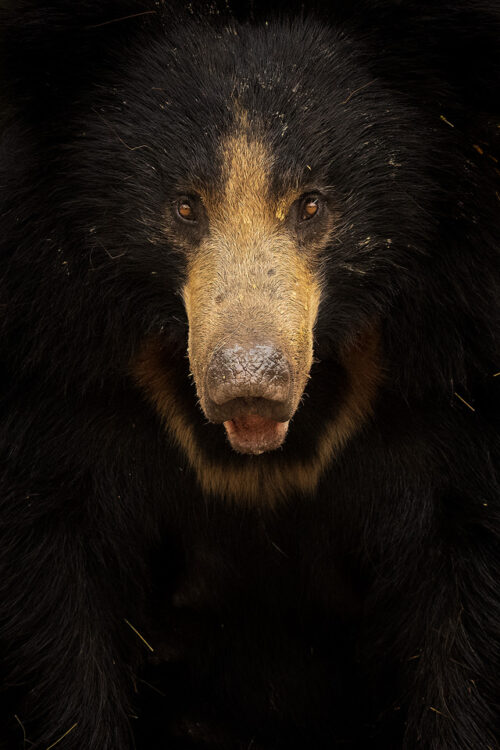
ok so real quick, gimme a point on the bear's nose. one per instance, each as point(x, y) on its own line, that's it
point(249, 380)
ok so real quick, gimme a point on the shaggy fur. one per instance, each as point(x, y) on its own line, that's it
point(136, 607)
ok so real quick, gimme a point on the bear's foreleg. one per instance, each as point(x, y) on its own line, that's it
point(62, 628)
point(450, 636)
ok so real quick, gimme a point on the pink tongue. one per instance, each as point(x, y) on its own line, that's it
point(254, 434)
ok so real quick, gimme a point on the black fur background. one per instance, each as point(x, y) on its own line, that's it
point(367, 616)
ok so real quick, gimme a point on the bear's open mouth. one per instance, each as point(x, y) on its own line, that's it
point(255, 434)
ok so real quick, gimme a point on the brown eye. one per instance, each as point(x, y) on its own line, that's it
point(309, 208)
point(185, 210)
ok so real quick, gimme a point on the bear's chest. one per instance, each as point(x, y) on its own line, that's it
point(258, 632)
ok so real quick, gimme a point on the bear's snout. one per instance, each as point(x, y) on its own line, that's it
point(249, 388)
point(252, 379)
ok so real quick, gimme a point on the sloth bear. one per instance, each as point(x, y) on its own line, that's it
point(249, 336)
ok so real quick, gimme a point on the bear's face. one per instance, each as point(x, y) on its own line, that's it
point(259, 193)
point(252, 291)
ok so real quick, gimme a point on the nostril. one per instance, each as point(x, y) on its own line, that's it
point(259, 371)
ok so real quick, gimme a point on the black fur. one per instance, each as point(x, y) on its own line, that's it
point(367, 616)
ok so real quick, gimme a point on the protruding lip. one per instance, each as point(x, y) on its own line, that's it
point(242, 407)
point(255, 434)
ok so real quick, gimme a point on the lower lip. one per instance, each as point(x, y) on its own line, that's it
point(255, 435)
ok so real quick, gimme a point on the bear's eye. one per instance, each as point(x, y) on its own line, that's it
point(185, 209)
point(309, 207)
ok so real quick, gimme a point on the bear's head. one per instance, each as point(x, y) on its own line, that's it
point(280, 173)
point(254, 225)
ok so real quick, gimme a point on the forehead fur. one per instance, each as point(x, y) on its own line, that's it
point(189, 98)
point(247, 198)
